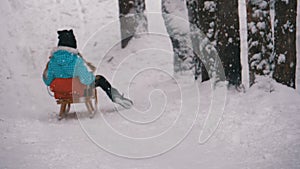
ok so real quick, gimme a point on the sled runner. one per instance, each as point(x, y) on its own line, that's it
point(68, 91)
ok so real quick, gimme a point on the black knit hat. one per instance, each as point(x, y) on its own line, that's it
point(66, 38)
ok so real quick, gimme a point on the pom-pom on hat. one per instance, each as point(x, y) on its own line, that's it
point(66, 38)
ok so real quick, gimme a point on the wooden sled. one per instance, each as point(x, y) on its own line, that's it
point(68, 91)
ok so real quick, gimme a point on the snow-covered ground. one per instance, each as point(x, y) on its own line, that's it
point(259, 128)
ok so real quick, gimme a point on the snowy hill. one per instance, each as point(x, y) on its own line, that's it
point(258, 128)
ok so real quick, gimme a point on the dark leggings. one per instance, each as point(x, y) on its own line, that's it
point(100, 81)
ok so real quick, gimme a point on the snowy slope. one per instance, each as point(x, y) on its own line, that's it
point(259, 128)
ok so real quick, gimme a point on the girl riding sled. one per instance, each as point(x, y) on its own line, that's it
point(66, 62)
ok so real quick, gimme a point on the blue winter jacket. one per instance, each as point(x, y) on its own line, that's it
point(65, 63)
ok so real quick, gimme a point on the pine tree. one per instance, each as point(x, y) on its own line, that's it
point(285, 42)
point(208, 18)
point(260, 44)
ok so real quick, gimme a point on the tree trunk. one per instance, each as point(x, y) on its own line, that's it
point(218, 20)
point(260, 45)
point(141, 18)
point(285, 42)
point(127, 24)
point(178, 30)
point(228, 40)
point(132, 19)
point(195, 12)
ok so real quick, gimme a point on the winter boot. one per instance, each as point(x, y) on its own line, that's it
point(120, 99)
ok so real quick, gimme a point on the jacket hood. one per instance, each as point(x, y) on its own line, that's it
point(69, 49)
point(63, 56)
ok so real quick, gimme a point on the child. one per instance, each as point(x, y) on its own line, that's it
point(66, 62)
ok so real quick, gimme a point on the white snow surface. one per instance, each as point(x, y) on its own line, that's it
point(259, 128)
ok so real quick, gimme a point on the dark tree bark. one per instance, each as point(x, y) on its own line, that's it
point(132, 19)
point(285, 42)
point(127, 23)
point(208, 18)
point(260, 45)
point(207, 24)
point(228, 40)
point(218, 20)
